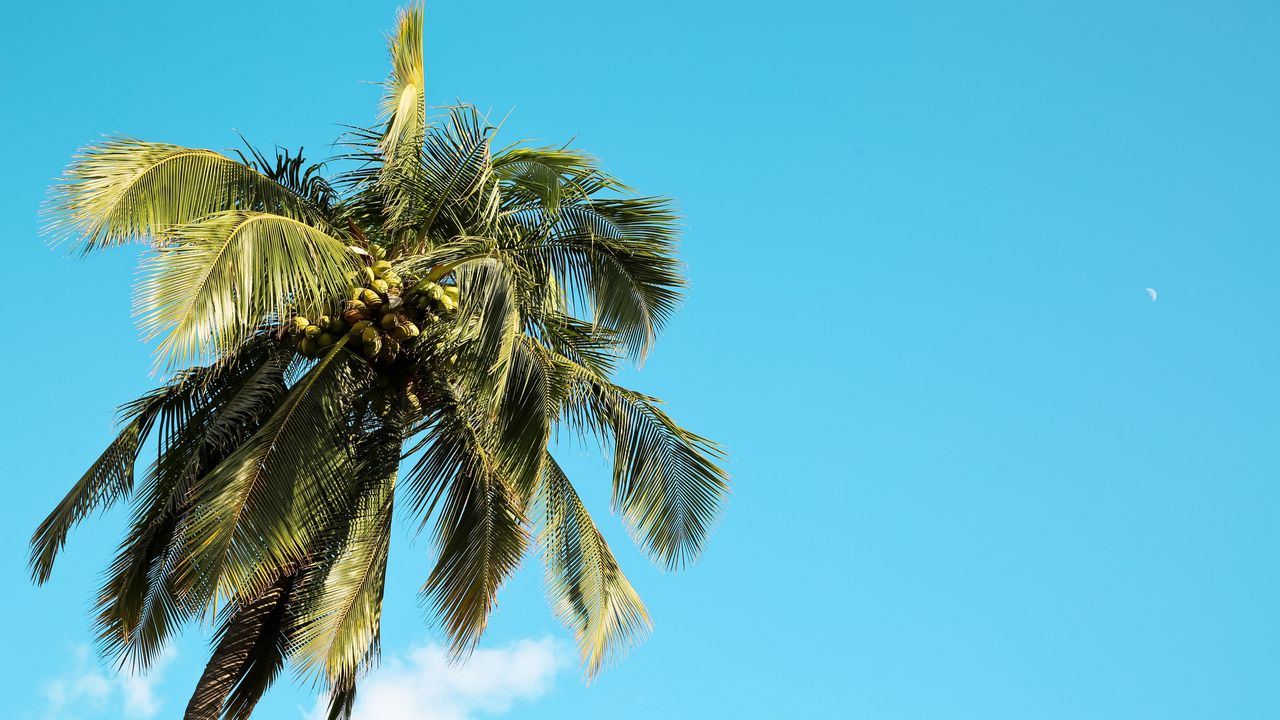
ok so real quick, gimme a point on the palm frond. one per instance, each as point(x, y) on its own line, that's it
point(619, 254)
point(480, 524)
point(489, 311)
point(587, 588)
point(666, 483)
point(125, 190)
point(542, 177)
point(342, 608)
point(205, 414)
point(531, 400)
point(403, 105)
point(255, 511)
point(220, 278)
point(457, 170)
point(293, 172)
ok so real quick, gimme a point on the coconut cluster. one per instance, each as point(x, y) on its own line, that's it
point(381, 317)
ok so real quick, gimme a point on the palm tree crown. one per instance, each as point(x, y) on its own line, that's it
point(408, 337)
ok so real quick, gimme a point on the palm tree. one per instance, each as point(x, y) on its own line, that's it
point(410, 338)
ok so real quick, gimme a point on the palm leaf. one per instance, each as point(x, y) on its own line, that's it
point(620, 255)
point(666, 483)
point(404, 110)
point(343, 606)
point(206, 413)
point(587, 588)
point(256, 510)
point(220, 278)
point(480, 524)
point(126, 190)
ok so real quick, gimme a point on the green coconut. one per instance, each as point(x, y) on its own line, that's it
point(388, 321)
point(370, 297)
point(393, 278)
point(370, 335)
point(312, 330)
point(369, 277)
point(300, 323)
point(307, 346)
point(380, 285)
point(382, 267)
point(325, 339)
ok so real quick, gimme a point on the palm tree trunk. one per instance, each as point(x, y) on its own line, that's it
point(242, 634)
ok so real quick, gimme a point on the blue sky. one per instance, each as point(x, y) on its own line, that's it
point(978, 473)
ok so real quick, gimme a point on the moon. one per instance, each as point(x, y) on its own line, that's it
point(1152, 293)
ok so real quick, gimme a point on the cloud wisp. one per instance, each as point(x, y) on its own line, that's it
point(87, 691)
point(426, 686)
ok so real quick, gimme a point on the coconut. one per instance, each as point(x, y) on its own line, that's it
point(337, 326)
point(377, 251)
point(325, 339)
point(300, 323)
point(412, 329)
point(424, 286)
point(381, 286)
point(369, 335)
point(312, 330)
point(307, 346)
point(393, 278)
point(368, 275)
point(448, 303)
point(388, 321)
point(370, 297)
point(359, 327)
point(381, 268)
point(451, 291)
point(391, 346)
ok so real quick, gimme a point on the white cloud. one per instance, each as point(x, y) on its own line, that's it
point(87, 691)
point(426, 686)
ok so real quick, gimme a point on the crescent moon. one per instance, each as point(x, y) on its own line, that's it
point(1152, 293)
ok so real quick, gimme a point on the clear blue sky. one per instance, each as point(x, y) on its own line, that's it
point(978, 473)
